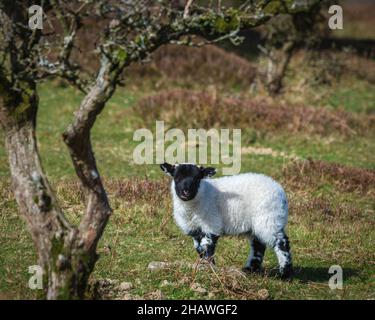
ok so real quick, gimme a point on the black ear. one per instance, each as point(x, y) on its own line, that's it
point(168, 168)
point(208, 172)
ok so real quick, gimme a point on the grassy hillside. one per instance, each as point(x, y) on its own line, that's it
point(317, 139)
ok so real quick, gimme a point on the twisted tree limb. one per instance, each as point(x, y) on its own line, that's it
point(134, 29)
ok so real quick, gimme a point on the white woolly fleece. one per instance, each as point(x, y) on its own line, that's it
point(247, 203)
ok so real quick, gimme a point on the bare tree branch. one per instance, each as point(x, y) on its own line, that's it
point(187, 7)
point(77, 137)
point(132, 30)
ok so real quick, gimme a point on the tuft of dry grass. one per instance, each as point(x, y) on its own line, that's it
point(359, 66)
point(320, 209)
point(315, 172)
point(187, 108)
point(137, 189)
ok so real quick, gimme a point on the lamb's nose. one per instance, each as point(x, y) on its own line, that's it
point(185, 192)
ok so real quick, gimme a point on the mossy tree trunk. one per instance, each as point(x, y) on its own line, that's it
point(277, 64)
point(62, 251)
point(66, 253)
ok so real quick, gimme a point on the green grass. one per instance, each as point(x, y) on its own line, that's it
point(358, 98)
point(141, 231)
point(356, 151)
point(327, 226)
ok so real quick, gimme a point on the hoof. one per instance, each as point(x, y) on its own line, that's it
point(286, 273)
point(252, 270)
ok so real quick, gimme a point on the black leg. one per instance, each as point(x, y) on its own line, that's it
point(282, 250)
point(197, 236)
point(205, 244)
point(208, 244)
point(255, 259)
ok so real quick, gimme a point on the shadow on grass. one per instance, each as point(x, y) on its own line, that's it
point(320, 274)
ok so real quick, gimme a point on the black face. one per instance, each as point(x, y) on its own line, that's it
point(187, 178)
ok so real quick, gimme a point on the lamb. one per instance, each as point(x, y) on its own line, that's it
point(249, 204)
